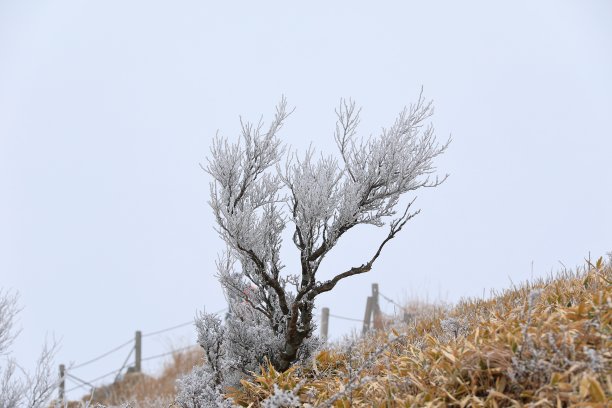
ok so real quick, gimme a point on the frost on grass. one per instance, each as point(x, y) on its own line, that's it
point(159, 402)
point(544, 343)
point(198, 390)
point(453, 328)
point(281, 399)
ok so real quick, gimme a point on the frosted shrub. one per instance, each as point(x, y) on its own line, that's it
point(198, 390)
point(452, 328)
point(159, 402)
point(281, 399)
point(17, 387)
point(258, 192)
point(237, 348)
point(595, 360)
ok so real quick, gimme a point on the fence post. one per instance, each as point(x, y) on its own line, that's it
point(375, 305)
point(376, 308)
point(324, 323)
point(137, 351)
point(368, 314)
point(62, 383)
point(408, 317)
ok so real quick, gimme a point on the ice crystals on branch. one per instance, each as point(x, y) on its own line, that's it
point(255, 195)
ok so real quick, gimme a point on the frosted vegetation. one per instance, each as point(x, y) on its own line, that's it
point(542, 342)
point(260, 189)
point(19, 388)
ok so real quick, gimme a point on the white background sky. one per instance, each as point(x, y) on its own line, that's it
point(107, 107)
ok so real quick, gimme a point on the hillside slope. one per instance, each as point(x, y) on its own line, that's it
point(546, 343)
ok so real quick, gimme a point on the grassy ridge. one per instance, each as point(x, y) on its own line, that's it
point(546, 343)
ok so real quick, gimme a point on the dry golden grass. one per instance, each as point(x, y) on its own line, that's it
point(546, 343)
point(139, 389)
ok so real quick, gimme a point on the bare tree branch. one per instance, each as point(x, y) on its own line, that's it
point(325, 197)
point(396, 226)
point(32, 390)
point(8, 311)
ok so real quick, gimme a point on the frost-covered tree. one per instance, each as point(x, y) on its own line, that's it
point(18, 388)
point(258, 192)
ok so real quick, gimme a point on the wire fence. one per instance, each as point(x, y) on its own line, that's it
point(90, 384)
point(390, 300)
point(83, 384)
point(87, 384)
point(101, 356)
point(131, 341)
point(169, 353)
point(178, 326)
point(346, 318)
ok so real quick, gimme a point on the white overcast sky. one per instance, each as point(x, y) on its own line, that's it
point(107, 107)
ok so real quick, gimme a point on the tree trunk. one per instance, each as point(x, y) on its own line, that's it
point(289, 354)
